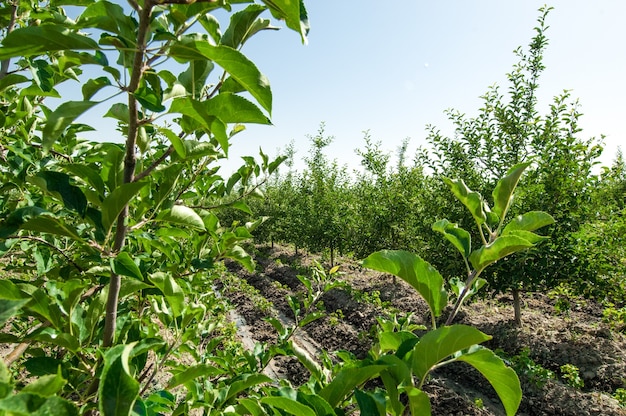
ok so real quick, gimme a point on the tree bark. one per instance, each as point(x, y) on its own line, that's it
point(517, 308)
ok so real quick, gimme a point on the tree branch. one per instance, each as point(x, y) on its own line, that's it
point(154, 164)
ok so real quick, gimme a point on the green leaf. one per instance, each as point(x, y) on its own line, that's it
point(176, 141)
point(171, 290)
point(61, 118)
point(12, 79)
point(10, 308)
point(419, 402)
point(232, 108)
point(47, 385)
point(244, 382)
point(472, 200)
point(92, 86)
point(27, 404)
point(43, 39)
point(192, 373)
point(116, 200)
point(194, 78)
point(51, 225)
point(232, 61)
point(198, 111)
point(503, 192)
point(307, 361)
point(243, 25)
point(119, 112)
point(529, 221)
point(503, 379)
point(58, 185)
point(6, 382)
point(499, 248)
point(124, 265)
point(15, 220)
point(346, 381)
point(182, 215)
point(439, 344)
point(293, 12)
point(118, 389)
point(413, 270)
point(460, 238)
point(391, 341)
point(368, 405)
point(88, 173)
point(288, 405)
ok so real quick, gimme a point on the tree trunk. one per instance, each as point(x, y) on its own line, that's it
point(517, 307)
point(332, 256)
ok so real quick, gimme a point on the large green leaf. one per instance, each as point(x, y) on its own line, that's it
point(243, 25)
point(28, 404)
point(472, 200)
point(439, 344)
point(288, 405)
point(233, 62)
point(52, 225)
point(460, 238)
point(198, 111)
point(171, 290)
point(503, 379)
point(194, 78)
point(182, 215)
point(346, 381)
point(193, 372)
point(43, 39)
point(6, 381)
point(503, 192)
point(47, 385)
point(15, 220)
point(124, 265)
point(118, 389)
point(498, 249)
point(413, 270)
point(293, 12)
point(419, 402)
point(10, 308)
point(116, 200)
point(58, 185)
point(529, 221)
point(232, 108)
point(61, 118)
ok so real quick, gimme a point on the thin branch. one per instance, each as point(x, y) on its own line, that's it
point(155, 164)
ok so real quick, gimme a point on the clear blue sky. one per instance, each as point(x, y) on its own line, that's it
point(394, 67)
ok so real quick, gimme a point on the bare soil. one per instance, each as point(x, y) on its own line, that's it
point(579, 338)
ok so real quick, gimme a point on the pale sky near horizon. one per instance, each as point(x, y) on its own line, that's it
point(393, 68)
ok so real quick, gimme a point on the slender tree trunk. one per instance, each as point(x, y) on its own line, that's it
point(129, 171)
point(332, 256)
point(517, 308)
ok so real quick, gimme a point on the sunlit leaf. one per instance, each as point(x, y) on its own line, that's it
point(182, 215)
point(460, 238)
point(124, 265)
point(288, 405)
point(503, 379)
point(439, 344)
point(233, 62)
point(498, 249)
point(346, 381)
point(413, 270)
point(116, 200)
point(472, 200)
point(43, 39)
point(503, 191)
point(61, 118)
point(118, 389)
point(529, 221)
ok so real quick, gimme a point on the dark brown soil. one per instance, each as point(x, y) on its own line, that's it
point(579, 338)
